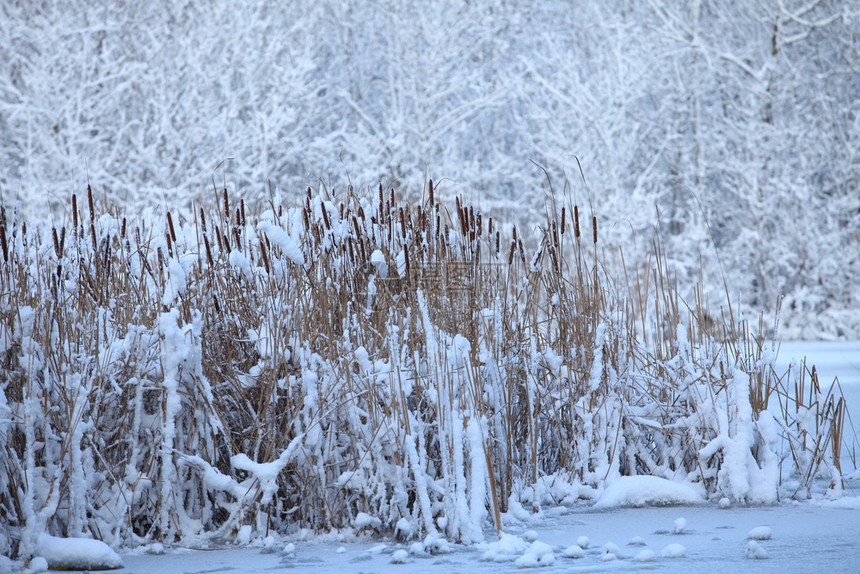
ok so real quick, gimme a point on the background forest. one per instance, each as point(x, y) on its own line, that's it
point(732, 126)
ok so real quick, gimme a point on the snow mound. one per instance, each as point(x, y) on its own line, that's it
point(399, 557)
point(648, 491)
point(77, 553)
point(680, 525)
point(573, 551)
point(37, 564)
point(645, 556)
point(674, 551)
point(612, 548)
point(755, 551)
point(760, 533)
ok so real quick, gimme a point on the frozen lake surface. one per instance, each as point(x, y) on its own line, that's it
point(820, 535)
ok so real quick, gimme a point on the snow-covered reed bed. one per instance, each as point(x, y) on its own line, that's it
point(359, 361)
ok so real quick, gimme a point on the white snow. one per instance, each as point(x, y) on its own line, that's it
point(673, 550)
point(760, 533)
point(76, 553)
point(648, 491)
point(755, 551)
point(288, 245)
point(573, 551)
point(399, 556)
point(680, 525)
point(645, 556)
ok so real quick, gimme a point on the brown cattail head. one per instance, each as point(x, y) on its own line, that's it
point(75, 212)
point(56, 241)
point(576, 221)
point(263, 255)
point(226, 206)
point(90, 201)
point(122, 230)
point(208, 249)
point(594, 226)
point(325, 216)
point(563, 214)
point(431, 192)
point(170, 226)
point(3, 244)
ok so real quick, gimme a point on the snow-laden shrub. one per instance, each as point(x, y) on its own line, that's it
point(360, 362)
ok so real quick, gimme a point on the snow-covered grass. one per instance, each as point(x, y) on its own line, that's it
point(374, 366)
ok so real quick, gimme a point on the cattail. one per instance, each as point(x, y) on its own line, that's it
point(263, 255)
point(242, 206)
point(208, 249)
point(107, 259)
point(390, 230)
point(406, 256)
point(93, 235)
point(226, 206)
point(511, 254)
point(237, 238)
point(325, 216)
point(576, 221)
point(392, 197)
point(122, 230)
point(63, 240)
point(355, 226)
point(555, 233)
point(238, 217)
point(3, 243)
point(90, 201)
point(498, 239)
point(75, 213)
point(56, 241)
point(403, 223)
point(306, 220)
point(170, 226)
point(363, 252)
point(203, 219)
point(431, 193)
point(563, 213)
point(594, 225)
point(351, 252)
point(522, 252)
